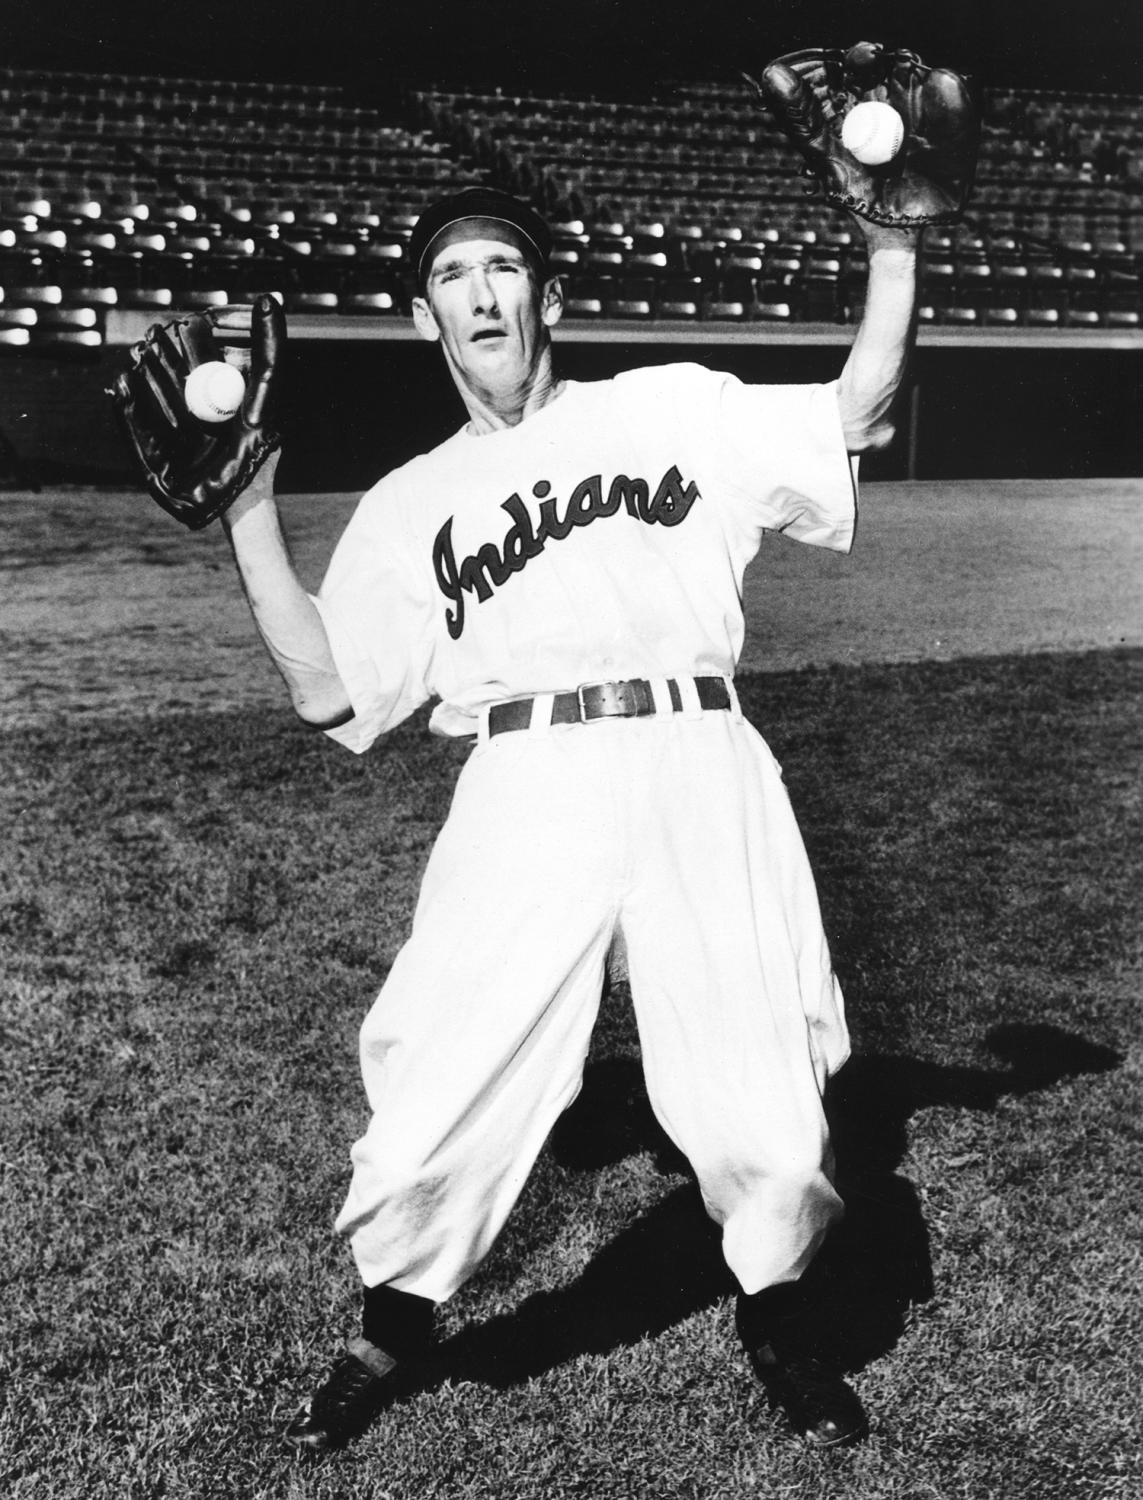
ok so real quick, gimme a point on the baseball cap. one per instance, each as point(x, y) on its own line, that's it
point(478, 203)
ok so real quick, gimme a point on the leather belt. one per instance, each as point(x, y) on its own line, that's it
point(606, 700)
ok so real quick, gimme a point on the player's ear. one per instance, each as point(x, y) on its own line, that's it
point(424, 322)
point(552, 302)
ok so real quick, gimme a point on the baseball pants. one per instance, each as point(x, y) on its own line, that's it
point(678, 831)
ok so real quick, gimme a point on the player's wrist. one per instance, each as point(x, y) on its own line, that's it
point(259, 492)
point(253, 498)
point(890, 242)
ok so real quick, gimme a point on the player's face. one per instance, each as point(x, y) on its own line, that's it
point(490, 314)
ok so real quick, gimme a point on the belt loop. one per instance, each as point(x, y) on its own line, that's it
point(542, 705)
point(688, 692)
point(661, 693)
point(482, 725)
point(735, 706)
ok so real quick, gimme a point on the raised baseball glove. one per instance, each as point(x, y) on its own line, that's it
point(195, 469)
point(928, 181)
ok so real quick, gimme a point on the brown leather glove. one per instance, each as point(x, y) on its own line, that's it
point(196, 469)
point(928, 181)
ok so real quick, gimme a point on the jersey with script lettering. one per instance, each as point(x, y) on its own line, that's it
point(604, 537)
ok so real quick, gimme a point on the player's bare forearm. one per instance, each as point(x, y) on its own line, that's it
point(285, 614)
point(875, 368)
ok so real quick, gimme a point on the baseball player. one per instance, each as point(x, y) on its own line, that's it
point(563, 576)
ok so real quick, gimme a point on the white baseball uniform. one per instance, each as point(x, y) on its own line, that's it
point(603, 538)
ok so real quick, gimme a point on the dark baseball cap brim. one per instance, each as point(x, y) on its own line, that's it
point(478, 203)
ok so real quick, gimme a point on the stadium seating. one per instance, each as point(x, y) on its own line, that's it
point(152, 194)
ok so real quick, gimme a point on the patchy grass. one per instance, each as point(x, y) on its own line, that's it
point(195, 911)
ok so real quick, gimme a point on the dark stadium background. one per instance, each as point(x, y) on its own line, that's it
point(581, 44)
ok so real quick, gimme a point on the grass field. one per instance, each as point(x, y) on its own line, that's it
point(195, 910)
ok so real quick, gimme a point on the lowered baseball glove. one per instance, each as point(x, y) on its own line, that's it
point(194, 469)
point(928, 181)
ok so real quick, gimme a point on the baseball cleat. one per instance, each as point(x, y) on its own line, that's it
point(357, 1387)
point(817, 1402)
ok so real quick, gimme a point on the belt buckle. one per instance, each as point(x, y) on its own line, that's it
point(616, 700)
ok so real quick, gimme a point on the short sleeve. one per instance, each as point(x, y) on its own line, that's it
point(374, 604)
point(781, 462)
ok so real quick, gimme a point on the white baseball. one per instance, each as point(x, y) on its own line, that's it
point(873, 132)
point(214, 391)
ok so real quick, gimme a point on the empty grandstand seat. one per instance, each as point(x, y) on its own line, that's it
point(832, 241)
point(94, 296)
point(973, 270)
point(372, 304)
point(1041, 317)
point(147, 241)
point(1123, 314)
point(31, 204)
point(67, 317)
point(587, 296)
point(60, 339)
point(958, 314)
point(743, 260)
point(997, 311)
point(1045, 274)
point(190, 244)
point(335, 250)
point(564, 259)
point(42, 241)
point(729, 298)
point(678, 297)
point(241, 279)
point(823, 262)
point(95, 241)
point(937, 272)
point(196, 299)
point(265, 213)
point(311, 302)
point(631, 297)
point(784, 258)
point(603, 259)
point(647, 262)
point(234, 245)
point(1082, 312)
point(648, 236)
point(147, 299)
point(32, 296)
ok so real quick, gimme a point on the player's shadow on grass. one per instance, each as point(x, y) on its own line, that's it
point(668, 1265)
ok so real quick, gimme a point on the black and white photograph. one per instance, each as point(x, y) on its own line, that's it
point(571, 613)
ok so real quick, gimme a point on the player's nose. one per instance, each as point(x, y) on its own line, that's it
point(482, 297)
